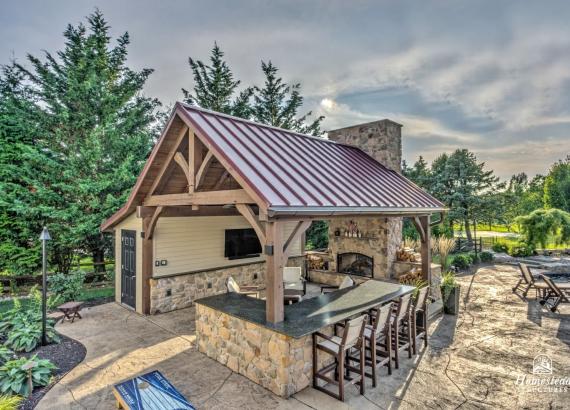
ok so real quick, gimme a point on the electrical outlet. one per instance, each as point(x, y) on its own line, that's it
point(156, 263)
point(255, 276)
point(163, 262)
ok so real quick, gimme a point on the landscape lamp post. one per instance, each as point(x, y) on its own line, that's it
point(44, 237)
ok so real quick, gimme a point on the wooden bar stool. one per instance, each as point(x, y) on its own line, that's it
point(419, 327)
point(401, 328)
point(377, 341)
point(339, 348)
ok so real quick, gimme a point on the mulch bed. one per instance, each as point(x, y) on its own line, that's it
point(66, 354)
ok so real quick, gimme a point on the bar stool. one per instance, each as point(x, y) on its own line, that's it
point(401, 328)
point(419, 327)
point(377, 341)
point(339, 348)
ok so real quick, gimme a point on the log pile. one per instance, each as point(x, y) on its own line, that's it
point(412, 276)
point(408, 255)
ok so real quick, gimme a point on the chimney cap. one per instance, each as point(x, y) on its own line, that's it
point(369, 123)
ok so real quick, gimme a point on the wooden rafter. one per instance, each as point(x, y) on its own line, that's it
point(295, 235)
point(222, 179)
point(152, 223)
point(203, 168)
point(169, 158)
point(250, 216)
point(180, 160)
point(231, 196)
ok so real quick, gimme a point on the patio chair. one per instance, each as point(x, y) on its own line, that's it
point(377, 341)
point(419, 327)
point(402, 328)
point(528, 282)
point(555, 294)
point(339, 348)
point(293, 279)
point(233, 287)
point(347, 282)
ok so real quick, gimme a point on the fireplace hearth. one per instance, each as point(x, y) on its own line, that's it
point(354, 263)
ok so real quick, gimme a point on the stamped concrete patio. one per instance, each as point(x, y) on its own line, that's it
point(472, 361)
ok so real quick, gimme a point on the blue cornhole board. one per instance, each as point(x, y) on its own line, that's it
point(151, 391)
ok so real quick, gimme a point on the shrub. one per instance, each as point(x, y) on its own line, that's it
point(521, 250)
point(9, 402)
point(5, 355)
point(448, 283)
point(461, 261)
point(500, 247)
point(474, 257)
point(26, 336)
point(14, 379)
point(486, 256)
point(69, 286)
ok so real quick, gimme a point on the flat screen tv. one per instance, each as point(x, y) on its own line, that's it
point(241, 243)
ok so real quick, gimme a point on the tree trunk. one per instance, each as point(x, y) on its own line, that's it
point(468, 230)
point(98, 260)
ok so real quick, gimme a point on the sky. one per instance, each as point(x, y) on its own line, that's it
point(490, 76)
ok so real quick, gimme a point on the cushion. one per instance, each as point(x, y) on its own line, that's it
point(232, 285)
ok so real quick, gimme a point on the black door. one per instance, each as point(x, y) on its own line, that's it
point(128, 267)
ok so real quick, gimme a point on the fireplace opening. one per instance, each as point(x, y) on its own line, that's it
point(354, 263)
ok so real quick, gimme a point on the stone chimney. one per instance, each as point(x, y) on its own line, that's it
point(382, 140)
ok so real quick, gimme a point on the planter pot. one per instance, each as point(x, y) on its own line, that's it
point(451, 303)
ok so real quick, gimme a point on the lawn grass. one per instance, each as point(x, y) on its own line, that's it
point(86, 295)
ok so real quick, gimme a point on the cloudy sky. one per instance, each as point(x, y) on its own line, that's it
point(491, 76)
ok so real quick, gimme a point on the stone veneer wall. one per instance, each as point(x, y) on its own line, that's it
point(383, 238)
point(280, 363)
point(184, 289)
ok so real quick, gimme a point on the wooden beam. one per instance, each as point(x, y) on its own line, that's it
point(195, 156)
point(248, 214)
point(180, 160)
point(222, 179)
point(147, 267)
point(203, 168)
point(274, 309)
point(295, 235)
point(169, 158)
point(231, 196)
point(149, 231)
point(419, 227)
point(425, 249)
point(186, 210)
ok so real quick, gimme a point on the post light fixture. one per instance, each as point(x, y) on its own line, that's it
point(44, 237)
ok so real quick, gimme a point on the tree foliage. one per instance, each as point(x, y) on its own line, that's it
point(557, 186)
point(89, 131)
point(542, 224)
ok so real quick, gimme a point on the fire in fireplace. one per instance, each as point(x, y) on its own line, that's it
point(355, 264)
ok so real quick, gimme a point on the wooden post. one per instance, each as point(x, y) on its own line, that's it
point(147, 265)
point(426, 248)
point(274, 311)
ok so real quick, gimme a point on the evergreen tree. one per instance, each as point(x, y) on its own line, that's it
point(97, 128)
point(215, 87)
point(277, 104)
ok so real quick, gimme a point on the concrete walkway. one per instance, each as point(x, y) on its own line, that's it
point(473, 360)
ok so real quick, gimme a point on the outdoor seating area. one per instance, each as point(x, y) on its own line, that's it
point(549, 293)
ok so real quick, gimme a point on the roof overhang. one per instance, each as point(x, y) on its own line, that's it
point(302, 211)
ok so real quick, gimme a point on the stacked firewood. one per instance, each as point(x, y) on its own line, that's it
point(408, 255)
point(411, 277)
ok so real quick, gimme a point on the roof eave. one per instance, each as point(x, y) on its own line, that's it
point(281, 211)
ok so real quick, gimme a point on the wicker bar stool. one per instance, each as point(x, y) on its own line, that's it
point(339, 348)
point(419, 327)
point(402, 328)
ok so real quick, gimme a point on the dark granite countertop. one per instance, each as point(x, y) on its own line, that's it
point(308, 316)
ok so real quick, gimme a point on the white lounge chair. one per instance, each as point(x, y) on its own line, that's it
point(293, 279)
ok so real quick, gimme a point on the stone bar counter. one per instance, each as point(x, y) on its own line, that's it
point(232, 329)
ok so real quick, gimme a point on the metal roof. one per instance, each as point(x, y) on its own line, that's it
point(295, 173)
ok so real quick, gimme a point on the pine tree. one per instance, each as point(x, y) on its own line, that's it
point(277, 104)
point(89, 115)
point(215, 87)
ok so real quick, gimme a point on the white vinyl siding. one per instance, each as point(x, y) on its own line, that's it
point(197, 243)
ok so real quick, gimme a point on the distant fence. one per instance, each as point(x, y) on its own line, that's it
point(466, 245)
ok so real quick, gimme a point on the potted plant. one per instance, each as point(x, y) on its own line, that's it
point(450, 293)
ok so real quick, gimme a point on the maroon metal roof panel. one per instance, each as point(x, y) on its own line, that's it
point(295, 171)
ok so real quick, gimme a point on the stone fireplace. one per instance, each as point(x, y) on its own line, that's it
point(354, 263)
point(378, 238)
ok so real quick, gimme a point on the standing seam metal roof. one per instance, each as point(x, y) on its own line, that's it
point(288, 169)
